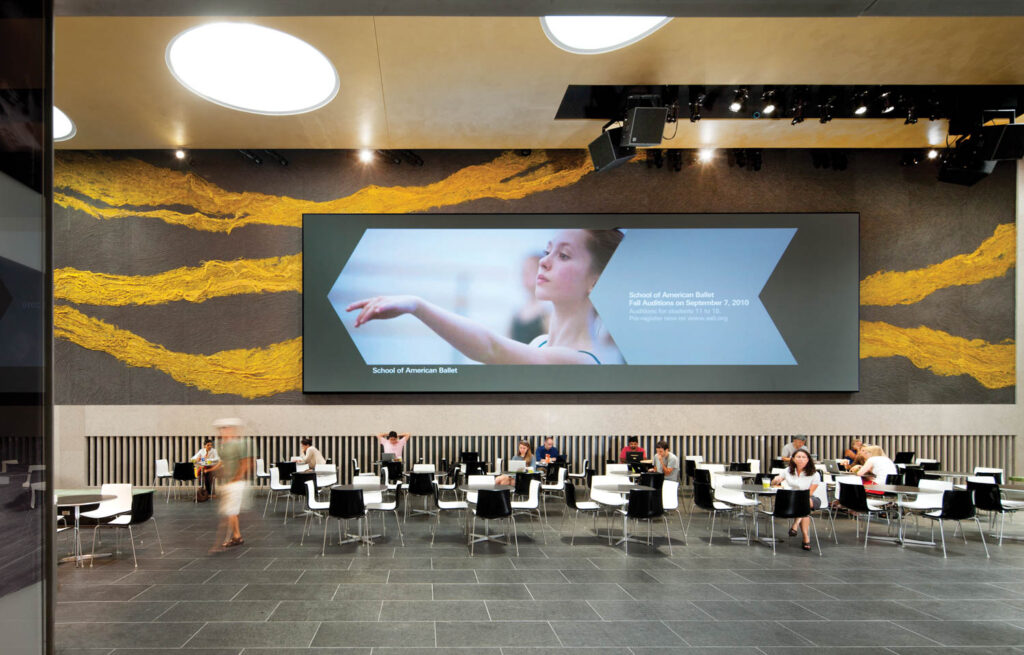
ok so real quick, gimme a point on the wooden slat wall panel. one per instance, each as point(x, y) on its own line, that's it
point(132, 458)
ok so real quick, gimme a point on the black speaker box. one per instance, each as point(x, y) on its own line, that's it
point(966, 172)
point(607, 152)
point(999, 142)
point(644, 126)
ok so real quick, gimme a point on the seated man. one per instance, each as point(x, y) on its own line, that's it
point(206, 461)
point(311, 457)
point(666, 462)
point(547, 453)
point(799, 441)
point(633, 446)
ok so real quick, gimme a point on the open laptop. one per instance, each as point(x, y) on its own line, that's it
point(388, 457)
point(516, 465)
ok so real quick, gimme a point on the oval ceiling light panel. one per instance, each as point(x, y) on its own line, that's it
point(63, 127)
point(593, 35)
point(252, 68)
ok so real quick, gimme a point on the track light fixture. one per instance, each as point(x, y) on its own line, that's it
point(389, 156)
point(860, 104)
point(911, 108)
point(886, 101)
point(252, 156)
point(826, 109)
point(739, 99)
point(675, 160)
point(768, 101)
point(276, 156)
point(697, 98)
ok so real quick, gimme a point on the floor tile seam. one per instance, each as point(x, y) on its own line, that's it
point(681, 637)
point(185, 643)
point(701, 609)
point(808, 609)
point(315, 632)
point(157, 617)
point(934, 641)
point(148, 587)
point(810, 586)
point(619, 585)
point(244, 585)
point(797, 634)
point(273, 611)
point(435, 634)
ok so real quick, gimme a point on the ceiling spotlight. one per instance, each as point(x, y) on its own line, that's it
point(933, 154)
point(276, 156)
point(911, 115)
point(252, 68)
point(179, 154)
point(705, 155)
point(63, 127)
point(365, 155)
point(860, 104)
point(252, 156)
point(738, 101)
point(826, 109)
point(591, 35)
point(886, 101)
point(768, 98)
point(798, 105)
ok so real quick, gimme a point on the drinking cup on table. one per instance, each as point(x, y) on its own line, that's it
point(766, 483)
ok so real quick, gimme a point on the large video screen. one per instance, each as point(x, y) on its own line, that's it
point(580, 302)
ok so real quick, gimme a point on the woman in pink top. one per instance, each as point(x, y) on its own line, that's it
point(394, 443)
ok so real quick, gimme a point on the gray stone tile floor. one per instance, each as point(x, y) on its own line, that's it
point(275, 596)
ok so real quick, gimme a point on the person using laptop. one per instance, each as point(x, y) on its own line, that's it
point(547, 453)
point(524, 454)
point(632, 446)
point(310, 456)
point(393, 443)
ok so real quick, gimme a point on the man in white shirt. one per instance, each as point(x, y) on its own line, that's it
point(206, 461)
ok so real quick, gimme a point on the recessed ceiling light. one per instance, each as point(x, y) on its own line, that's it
point(365, 155)
point(179, 154)
point(933, 153)
point(593, 35)
point(706, 154)
point(252, 68)
point(63, 127)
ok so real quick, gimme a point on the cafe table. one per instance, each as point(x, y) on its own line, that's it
point(77, 501)
point(900, 490)
point(351, 538)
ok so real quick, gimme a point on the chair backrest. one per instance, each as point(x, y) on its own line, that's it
point(739, 466)
point(523, 482)
point(776, 463)
point(184, 471)
point(957, 504)
point(516, 465)
point(494, 504)
point(476, 468)
point(850, 479)
point(702, 496)
point(853, 496)
point(497, 464)
point(892, 478)
point(696, 459)
point(365, 481)
point(929, 464)
point(261, 468)
point(123, 501)
point(986, 494)
point(732, 481)
point(300, 467)
point(570, 495)
point(912, 476)
point(347, 504)
point(163, 469)
point(142, 507)
point(467, 456)
point(423, 468)
point(533, 492)
point(477, 480)
point(990, 472)
point(652, 479)
point(562, 473)
point(310, 493)
point(275, 477)
point(670, 495)
point(421, 484)
point(285, 470)
point(755, 465)
point(792, 503)
point(702, 476)
point(936, 485)
point(714, 468)
point(617, 469)
point(355, 467)
point(904, 457)
point(644, 504)
point(298, 484)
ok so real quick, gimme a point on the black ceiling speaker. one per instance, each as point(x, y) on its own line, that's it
point(999, 142)
point(965, 167)
point(607, 151)
point(644, 126)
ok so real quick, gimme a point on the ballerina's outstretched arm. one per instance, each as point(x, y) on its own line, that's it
point(468, 337)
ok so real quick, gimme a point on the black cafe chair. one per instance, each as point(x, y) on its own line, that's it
point(739, 466)
point(522, 483)
point(141, 512)
point(988, 498)
point(777, 463)
point(493, 505)
point(347, 504)
point(652, 479)
point(854, 498)
point(467, 456)
point(904, 457)
point(422, 485)
point(645, 505)
point(476, 468)
point(704, 498)
point(912, 475)
point(577, 506)
point(957, 505)
point(185, 473)
point(792, 504)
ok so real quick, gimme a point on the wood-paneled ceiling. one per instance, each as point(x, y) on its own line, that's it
point(422, 82)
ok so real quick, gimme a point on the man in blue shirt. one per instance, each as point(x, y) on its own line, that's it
point(547, 453)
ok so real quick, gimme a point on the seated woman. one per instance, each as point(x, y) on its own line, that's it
point(524, 453)
point(801, 474)
point(851, 454)
point(876, 464)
